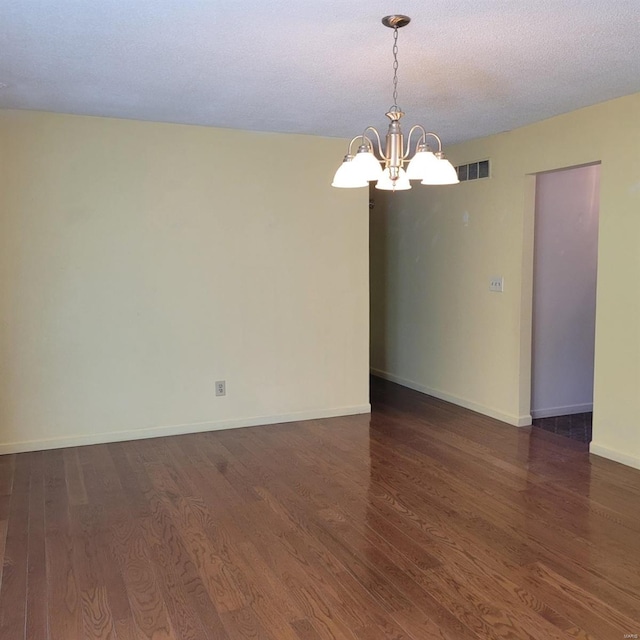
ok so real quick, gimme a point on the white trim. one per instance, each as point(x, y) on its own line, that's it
point(562, 411)
point(616, 456)
point(516, 421)
point(179, 429)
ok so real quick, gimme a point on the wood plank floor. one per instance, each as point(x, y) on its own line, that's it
point(420, 521)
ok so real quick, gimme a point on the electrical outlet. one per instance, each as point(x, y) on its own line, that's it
point(496, 284)
point(221, 388)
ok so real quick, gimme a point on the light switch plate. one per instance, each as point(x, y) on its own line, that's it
point(496, 284)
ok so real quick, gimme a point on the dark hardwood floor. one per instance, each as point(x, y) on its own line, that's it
point(420, 521)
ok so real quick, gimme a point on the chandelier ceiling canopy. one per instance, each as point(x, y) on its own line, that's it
point(371, 163)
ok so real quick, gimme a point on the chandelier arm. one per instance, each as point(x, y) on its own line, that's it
point(350, 151)
point(437, 137)
point(424, 133)
point(375, 131)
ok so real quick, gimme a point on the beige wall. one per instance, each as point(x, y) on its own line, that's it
point(436, 326)
point(141, 262)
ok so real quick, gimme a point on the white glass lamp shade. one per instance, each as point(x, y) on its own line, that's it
point(421, 165)
point(443, 172)
point(368, 165)
point(386, 183)
point(349, 175)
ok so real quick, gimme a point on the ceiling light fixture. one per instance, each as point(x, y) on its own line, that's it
point(365, 166)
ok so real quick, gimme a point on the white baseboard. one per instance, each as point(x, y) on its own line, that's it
point(180, 429)
point(562, 411)
point(516, 421)
point(616, 456)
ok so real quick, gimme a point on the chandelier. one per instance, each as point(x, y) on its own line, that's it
point(387, 167)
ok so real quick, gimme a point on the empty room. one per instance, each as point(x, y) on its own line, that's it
point(319, 321)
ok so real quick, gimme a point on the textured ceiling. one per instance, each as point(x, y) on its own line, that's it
point(467, 68)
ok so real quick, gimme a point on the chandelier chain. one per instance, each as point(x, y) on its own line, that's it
point(395, 70)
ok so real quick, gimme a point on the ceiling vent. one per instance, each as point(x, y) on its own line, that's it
point(474, 171)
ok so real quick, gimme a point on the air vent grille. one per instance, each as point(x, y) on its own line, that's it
point(474, 171)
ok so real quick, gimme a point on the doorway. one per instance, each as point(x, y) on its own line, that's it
point(564, 299)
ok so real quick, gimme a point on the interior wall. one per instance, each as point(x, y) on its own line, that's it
point(142, 262)
point(564, 291)
point(444, 332)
